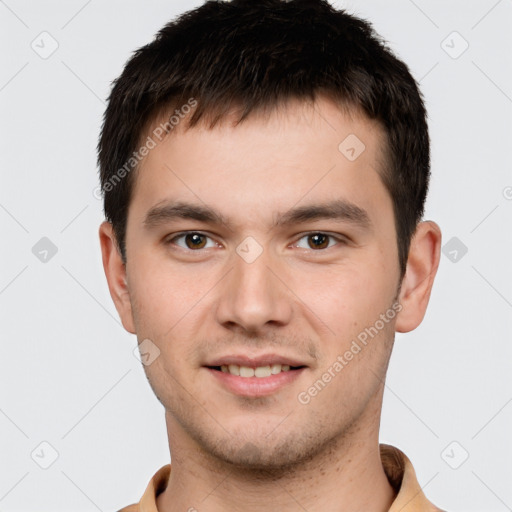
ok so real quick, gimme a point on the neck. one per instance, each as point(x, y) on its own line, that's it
point(346, 476)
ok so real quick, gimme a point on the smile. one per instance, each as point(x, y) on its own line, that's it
point(258, 372)
point(256, 381)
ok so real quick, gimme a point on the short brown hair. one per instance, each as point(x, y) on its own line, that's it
point(258, 54)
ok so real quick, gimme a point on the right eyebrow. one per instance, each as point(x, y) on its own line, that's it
point(168, 211)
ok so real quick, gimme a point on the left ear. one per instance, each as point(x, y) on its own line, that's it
point(422, 264)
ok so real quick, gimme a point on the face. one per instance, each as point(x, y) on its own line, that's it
point(266, 245)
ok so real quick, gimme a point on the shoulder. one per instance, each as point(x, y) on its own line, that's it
point(130, 508)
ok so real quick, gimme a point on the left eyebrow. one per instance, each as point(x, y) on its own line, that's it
point(338, 210)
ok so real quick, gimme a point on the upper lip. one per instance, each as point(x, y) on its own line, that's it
point(254, 362)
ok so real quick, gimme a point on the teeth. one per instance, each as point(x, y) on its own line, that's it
point(234, 369)
point(263, 371)
point(260, 371)
point(245, 371)
point(275, 368)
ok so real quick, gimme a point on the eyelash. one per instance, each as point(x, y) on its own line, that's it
point(339, 240)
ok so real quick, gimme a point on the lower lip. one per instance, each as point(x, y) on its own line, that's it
point(255, 386)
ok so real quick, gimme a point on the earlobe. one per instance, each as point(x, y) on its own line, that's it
point(115, 272)
point(422, 265)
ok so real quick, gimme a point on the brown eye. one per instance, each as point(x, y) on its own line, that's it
point(192, 241)
point(195, 241)
point(318, 241)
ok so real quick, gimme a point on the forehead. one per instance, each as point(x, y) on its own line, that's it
point(298, 153)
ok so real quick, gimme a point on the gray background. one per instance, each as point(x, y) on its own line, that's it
point(69, 376)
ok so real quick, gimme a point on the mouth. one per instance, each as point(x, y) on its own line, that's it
point(256, 377)
point(259, 372)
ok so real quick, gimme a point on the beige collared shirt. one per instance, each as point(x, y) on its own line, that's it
point(397, 466)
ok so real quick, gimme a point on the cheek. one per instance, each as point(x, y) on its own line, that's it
point(350, 301)
point(162, 294)
point(170, 305)
point(349, 294)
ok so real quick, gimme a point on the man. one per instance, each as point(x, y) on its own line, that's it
point(265, 167)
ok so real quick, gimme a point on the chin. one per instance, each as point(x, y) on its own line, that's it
point(259, 455)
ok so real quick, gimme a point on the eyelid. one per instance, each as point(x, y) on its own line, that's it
point(170, 240)
point(340, 239)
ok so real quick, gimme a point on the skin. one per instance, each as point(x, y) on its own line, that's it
point(232, 452)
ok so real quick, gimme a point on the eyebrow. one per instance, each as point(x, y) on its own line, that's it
point(337, 210)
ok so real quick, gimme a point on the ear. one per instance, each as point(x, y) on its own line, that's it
point(422, 264)
point(115, 271)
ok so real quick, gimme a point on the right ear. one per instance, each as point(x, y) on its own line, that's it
point(115, 271)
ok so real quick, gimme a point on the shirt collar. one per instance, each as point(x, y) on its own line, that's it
point(398, 469)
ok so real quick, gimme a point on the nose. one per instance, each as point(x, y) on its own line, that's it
point(253, 296)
